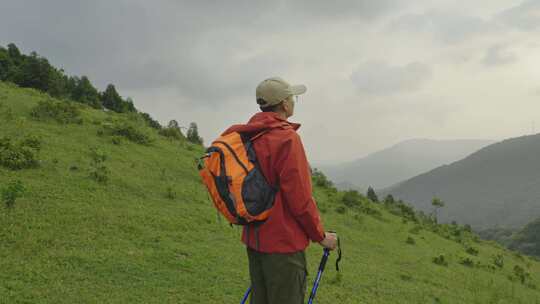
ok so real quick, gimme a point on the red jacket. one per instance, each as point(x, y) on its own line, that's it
point(294, 219)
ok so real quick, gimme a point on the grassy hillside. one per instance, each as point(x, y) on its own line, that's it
point(138, 227)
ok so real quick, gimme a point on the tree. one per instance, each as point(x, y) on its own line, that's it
point(193, 134)
point(6, 64)
point(351, 198)
point(58, 83)
point(172, 130)
point(173, 124)
point(84, 92)
point(437, 203)
point(372, 195)
point(150, 121)
point(320, 179)
point(33, 72)
point(14, 53)
point(128, 105)
point(389, 199)
point(111, 99)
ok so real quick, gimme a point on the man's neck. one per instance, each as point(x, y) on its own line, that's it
point(282, 115)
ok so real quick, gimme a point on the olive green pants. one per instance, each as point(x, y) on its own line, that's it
point(277, 278)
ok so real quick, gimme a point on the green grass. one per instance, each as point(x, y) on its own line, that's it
point(70, 239)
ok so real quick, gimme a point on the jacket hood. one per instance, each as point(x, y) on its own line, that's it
point(259, 122)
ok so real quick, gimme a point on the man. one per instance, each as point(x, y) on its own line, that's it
point(276, 249)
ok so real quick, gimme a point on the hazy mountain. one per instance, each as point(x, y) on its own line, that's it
point(498, 185)
point(399, 162)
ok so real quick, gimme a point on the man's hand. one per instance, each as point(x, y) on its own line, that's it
point(330, 240)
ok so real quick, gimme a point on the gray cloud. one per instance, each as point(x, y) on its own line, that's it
point(443, 26)
point(376, 78)
point(452, 27)
point(498, 55)
point(358, 9)
point(525, 16)
point(188, 45)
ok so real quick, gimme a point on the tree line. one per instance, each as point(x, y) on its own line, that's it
point(35, 71)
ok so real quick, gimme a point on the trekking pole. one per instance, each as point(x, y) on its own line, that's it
point(246, 296)
point(326, 253)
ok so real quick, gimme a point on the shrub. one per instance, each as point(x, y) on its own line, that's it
point(319, 179)
point(171, 194)
point(472, 251)
point(358, 218)
point(116, 140)
point(341, 209)
point(440, 260)
point(521, 274)
point(98, 170)
point(351, 198)
point(21, 155)
point(128, 130)
point(171, 133)
point(62, 112)
point(498, 260)
point(13, 191)
point(407, 211)
point(416, 229)
point(365, 208)
point(400, 208)
point(406, 277)
point(410, 241)
point(456, 231)
point(467, 262)
point(32, 141)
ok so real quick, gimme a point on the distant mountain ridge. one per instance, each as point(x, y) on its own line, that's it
point(400, 162)
point(499, 185)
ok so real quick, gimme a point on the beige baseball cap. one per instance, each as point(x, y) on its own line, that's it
point(274, 90)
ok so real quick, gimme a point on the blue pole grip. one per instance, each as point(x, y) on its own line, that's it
point(246, 296)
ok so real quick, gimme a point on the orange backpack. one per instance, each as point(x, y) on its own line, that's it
point(230, 171)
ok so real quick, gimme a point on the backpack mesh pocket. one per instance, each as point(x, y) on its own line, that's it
point(257, 194)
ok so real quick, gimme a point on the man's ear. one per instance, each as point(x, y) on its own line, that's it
point(285, 106)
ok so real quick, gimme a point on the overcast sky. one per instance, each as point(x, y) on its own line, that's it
point(377, 72)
